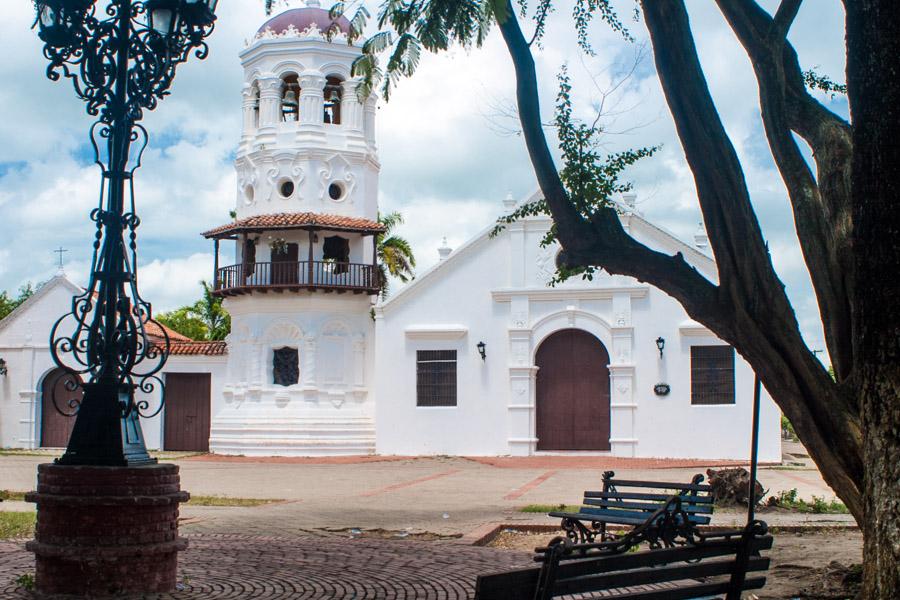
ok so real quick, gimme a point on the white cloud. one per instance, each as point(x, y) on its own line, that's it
point(171, 283)
point(444, 167)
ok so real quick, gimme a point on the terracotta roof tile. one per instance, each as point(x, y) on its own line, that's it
point(295, 221)
point(217, 348)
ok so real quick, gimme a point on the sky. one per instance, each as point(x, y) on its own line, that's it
point(450, 151)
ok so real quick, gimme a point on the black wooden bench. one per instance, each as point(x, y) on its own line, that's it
point(715, 564)
point(630, 503)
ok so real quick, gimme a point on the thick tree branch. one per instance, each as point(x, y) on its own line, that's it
point(821, 208)
point(603, 240)
point(784, 17)
point(764, 329)
point(735, 237)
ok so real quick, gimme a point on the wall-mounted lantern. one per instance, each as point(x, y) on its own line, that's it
point(660, 343)
point(482, 347)
point(2, 366)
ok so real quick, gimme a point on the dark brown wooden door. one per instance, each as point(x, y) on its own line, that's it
point(286, 265)
point(56, 427)
point(572, 392)
point(187, 412)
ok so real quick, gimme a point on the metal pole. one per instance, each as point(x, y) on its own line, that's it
point(754, 451)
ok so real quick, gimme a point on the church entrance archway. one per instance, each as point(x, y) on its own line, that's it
point(572, 392)
point(187, 412)
point(55, 426)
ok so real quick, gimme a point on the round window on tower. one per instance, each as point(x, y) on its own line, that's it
point(286, 188)
point(248, 194)
point(336, 192)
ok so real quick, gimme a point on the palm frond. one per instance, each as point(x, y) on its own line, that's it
point(377, 43)
point(390, 221)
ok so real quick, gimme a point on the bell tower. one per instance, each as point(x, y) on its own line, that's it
point(305, 229)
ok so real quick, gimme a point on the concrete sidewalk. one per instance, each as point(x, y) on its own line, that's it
point(444, 495)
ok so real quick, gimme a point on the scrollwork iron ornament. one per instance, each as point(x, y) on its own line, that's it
point(121, 60)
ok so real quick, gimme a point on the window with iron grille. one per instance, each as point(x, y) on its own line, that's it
point(436, 378)
point(712, 375)
point(285, 366)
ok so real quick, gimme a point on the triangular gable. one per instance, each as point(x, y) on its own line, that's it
point(42, 291)
point(703, 262)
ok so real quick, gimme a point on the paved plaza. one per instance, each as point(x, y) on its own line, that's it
point(372, 527)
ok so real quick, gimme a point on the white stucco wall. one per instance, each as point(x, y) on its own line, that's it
point(330, 409)
point(24, 344)
point(494, 290)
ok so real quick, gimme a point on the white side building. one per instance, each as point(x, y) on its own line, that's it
point(29, 417)
point(576, 367)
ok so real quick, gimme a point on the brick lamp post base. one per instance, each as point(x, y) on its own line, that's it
point(106, 530)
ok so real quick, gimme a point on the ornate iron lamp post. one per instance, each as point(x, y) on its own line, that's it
point(121, 59)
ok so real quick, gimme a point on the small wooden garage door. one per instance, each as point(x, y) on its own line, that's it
point(56, 427)
point(187, 412)
point(572, 392)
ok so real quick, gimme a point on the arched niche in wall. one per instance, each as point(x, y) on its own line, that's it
point(333, 94)
point(282, 352)
point(290, 97)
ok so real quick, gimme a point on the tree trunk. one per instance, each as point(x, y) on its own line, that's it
point(873, 78)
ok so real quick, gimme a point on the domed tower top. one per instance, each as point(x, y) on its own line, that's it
point(308, 142)
point(301, 18)
point(306, 210)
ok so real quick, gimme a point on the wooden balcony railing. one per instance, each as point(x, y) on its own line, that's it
point(295, 276)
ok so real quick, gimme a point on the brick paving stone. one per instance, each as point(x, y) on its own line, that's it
point(231, 566)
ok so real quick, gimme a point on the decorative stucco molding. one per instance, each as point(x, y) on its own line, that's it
point(436, 332)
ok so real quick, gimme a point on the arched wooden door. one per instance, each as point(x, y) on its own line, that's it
point(572, 392)
point(56, 427)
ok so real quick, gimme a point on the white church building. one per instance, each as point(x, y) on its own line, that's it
point(477, 356)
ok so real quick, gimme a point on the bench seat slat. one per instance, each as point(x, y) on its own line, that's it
point(646, 506)
point(666, 485)
point(618, 517)
point(661, 574)
point(685, 498)
point(610, 514)
point(636, 520)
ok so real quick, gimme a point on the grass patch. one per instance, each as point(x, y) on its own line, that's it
point(14, 452)
point(16, 524)
point(818, 505)
point(12, 496)
point(545, 508)
point(226, 501)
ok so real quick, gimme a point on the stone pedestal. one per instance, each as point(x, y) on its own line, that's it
point(106, 530)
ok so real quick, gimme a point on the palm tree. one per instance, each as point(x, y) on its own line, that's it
point(204, 320)
point(395, 255)
point(209, 310)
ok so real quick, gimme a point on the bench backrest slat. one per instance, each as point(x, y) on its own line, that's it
point(651, 575)
point(574, 566)
point(686, 498)
point(663, 485)
point(682, 593)
point(519, 583)
point(645, 506)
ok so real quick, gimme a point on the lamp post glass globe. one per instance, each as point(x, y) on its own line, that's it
point(163, 16)
point(60, 19)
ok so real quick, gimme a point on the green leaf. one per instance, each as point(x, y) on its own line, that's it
point(378, 43)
